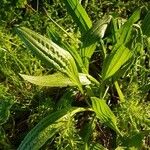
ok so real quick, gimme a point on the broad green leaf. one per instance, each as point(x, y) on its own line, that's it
point(104, 113)
point(91, 38)
point(146, 25)
point(55, 80)
point(115, 60)
point(47, 128)
point(78, 14)
point(50, 53)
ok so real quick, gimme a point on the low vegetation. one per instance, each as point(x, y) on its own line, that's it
point(75, 75)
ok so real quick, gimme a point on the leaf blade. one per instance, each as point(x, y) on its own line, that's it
point(51, 53)
point(78, 14)
point(115, 60)
point(104, 113)
point(55, 80)
point(46, 128)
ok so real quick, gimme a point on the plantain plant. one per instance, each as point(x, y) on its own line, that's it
point(72, 70)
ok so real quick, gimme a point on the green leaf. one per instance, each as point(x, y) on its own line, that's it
point(50, 53)
point(134, 141)
point(120, 94)
point(55, 80)
point(47, 128)
point(124, 33)
point(91, 38)
point(78, 14)
point(72, 49)
point(104, 113)
point(146, 25)
point(115, 60)
point(97, 31)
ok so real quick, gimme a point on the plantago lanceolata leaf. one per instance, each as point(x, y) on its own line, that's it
point(55, 80)
point(115, 60)
point(79, 14)
point(46, 128)
point(146, 25)
point(124, 33)
point(104, 113)
point(51, 53)
point(91, 38)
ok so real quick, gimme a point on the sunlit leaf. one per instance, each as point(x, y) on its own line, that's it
point(124, 33)
point(73, 50)
point(115, 60)
point(104, 113)
point(47, 128)
point(55, 80)
point(78, 14)
point(91, 38)
point(50, 53)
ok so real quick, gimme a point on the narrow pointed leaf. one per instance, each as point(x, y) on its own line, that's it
point(91, 38)
point(78, 14)
point(55, 80)
point(124, 33)
point(104, 113)
point(47, 128)
point(50, 53)
point(96, 31)
point(146, 25)
point(115, 60)
point(73, 50)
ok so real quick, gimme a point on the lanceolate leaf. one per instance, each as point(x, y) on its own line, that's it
point(79, 14)
point(97, 31)
point(55, 80)
point(104, 113)
point(146, 25)
point(115, 60)
point(124, 33)
point(91, 38)
point(70, 48)
point(50, 53)
point(46, 128)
